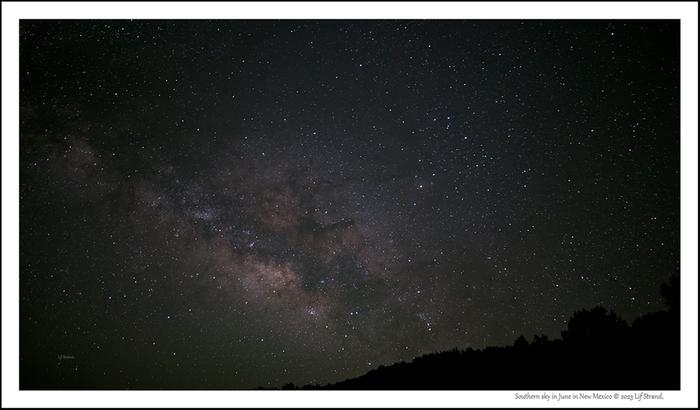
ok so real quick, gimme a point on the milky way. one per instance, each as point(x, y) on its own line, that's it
point(236, 204)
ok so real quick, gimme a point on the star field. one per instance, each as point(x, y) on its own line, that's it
point(242, 204)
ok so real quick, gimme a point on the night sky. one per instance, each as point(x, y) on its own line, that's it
point(235, 204)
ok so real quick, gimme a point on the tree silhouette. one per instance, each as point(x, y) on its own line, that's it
point(520, 343)
point(540, 340)
point(595, 326)
point(597, 350)
point(671, 292)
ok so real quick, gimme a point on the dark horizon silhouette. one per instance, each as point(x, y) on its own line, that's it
point(597, 351)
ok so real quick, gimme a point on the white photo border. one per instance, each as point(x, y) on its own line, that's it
point(686, 12)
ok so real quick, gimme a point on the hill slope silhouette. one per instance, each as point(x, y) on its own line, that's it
point(597, 351)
